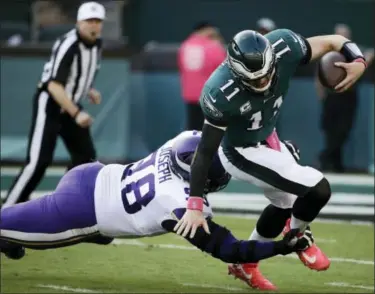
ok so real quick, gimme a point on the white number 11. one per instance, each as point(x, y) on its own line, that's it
point(236, 90)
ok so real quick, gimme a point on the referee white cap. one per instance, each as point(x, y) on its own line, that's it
point(90, 10)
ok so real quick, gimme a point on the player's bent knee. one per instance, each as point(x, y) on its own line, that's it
point(308, 207)
point(321, 192)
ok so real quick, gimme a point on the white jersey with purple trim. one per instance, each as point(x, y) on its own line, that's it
point(133, 200)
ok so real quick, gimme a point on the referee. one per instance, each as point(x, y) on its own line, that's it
point(66, 79)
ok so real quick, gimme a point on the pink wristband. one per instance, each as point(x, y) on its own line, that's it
point(361, 60)
point(195, 203)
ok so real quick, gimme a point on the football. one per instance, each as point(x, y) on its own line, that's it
point(329, 74)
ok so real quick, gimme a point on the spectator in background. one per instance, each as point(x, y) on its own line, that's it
point(198, 57)
point(338, 114)
point(265, 25)
point(48, 13)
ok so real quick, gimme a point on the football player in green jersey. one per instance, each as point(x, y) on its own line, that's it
point(241, 102)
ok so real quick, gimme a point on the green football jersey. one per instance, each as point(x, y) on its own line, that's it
point(251, 117)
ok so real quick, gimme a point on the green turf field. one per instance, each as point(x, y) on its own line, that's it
point(169, 264)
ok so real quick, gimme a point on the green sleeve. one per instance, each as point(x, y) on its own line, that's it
point(290, 46)
point(214, 108)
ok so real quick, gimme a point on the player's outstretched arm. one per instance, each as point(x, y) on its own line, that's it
point(223, 245)
point(355, 65)
point(321, 45)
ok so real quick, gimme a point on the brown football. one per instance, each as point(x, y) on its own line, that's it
point(329, 74)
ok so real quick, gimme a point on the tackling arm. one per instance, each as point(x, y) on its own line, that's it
point(223, 245)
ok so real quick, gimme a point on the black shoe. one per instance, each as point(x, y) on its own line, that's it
point(16, 252)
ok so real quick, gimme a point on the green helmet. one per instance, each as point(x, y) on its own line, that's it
point(252, 59)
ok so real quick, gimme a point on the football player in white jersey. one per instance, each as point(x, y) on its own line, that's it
point(96, 203)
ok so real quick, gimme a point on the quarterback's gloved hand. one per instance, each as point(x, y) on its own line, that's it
point(293, 149)
point(295, 241)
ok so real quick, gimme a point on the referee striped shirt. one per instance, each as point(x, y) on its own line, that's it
point(74, 64)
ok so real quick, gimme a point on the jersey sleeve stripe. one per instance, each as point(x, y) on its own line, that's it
point(61, 51)
point(218, 127)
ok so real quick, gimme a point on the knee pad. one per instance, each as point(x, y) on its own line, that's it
point(320, 193)
point(307, 207)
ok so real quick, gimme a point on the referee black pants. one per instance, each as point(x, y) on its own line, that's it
point(338, 117)
point(46, 126)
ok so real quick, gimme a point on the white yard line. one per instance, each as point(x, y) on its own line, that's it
point(369, 211)
point(317, 240)
point(190, 248)
point(330, 241)
point(67, 288)
point(340, 203)
point(83, 290)
point(318, 220)
point(259, 198)
point(51, 171)
point(365, 180)
point(213, 287)
point(347, 285)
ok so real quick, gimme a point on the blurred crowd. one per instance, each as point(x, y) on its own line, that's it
point(45, 20)
point(201, 52)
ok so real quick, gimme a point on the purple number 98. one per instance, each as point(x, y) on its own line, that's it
point(147, 181)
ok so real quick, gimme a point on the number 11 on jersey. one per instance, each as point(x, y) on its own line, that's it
point(236, 90)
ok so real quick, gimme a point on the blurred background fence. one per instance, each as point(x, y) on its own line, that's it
point(142, 104)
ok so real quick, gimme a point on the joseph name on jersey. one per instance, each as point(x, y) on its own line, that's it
point(133, 200)
point(251, 117)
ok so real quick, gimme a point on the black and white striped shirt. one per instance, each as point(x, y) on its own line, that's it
point(74, 64)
